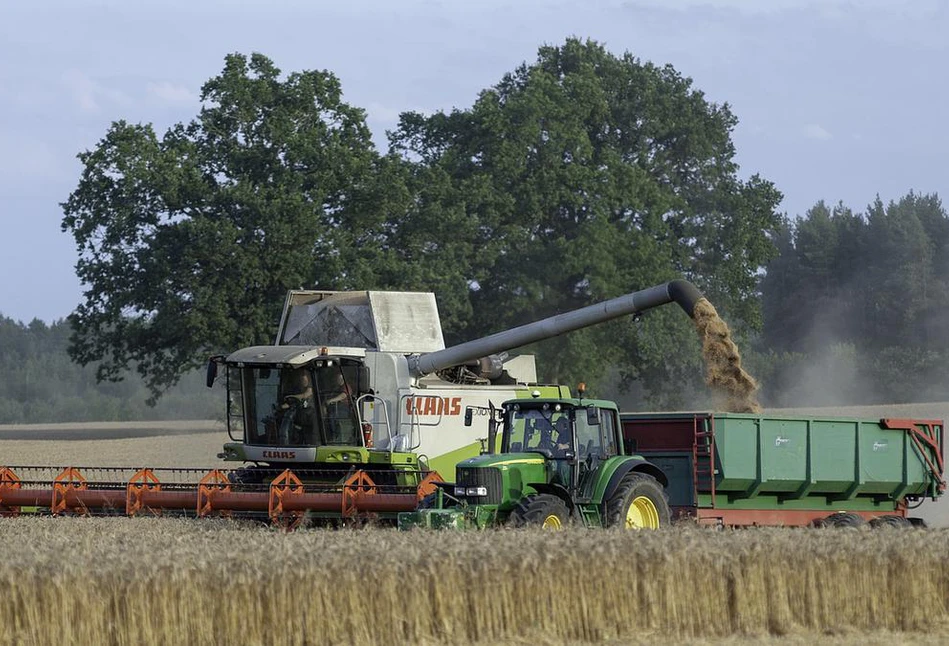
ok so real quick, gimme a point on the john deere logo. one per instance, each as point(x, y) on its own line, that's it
point(880, 445)
point(781, 441)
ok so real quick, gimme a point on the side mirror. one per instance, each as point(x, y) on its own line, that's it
point(212, 371)
point(469, 416)
point(593, 416)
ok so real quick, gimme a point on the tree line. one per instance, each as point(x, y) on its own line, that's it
point(856, 305)
point(576, 178)
point(40, 383)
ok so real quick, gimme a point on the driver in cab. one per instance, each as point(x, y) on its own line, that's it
point(559, 447)
point(297, 393)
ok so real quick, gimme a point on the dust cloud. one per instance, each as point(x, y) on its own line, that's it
point(723, 371)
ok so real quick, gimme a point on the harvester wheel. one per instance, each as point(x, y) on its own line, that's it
point(543, 509)
point(843, 519)
point(897, 522)
point(639, 503)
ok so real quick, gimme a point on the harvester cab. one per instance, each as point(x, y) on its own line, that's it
point(291, 404)
point(561, 459)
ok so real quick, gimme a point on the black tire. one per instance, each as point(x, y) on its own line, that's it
point(639, 502)
point(896, 522)
point(541, 510)
point(843, 519)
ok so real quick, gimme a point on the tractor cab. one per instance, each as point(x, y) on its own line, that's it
point(574, 436)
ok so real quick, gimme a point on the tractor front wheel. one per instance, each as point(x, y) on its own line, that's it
point(543, 509)
point(638, 503)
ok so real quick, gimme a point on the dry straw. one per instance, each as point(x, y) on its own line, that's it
point(162, 581)
point(723, 371)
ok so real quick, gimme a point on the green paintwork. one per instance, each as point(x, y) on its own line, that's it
point(445, 463)
point(234, 452)
point(558, 393)
point(518, 472)
point(607, 469)
point(361, 455)
point(800, 463)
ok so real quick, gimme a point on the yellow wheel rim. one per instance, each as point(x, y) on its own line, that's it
point(552, 522)
point(642, 514)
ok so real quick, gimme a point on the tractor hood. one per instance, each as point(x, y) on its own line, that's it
point(503, 460)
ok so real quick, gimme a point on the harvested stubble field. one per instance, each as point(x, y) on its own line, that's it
point(165, 581)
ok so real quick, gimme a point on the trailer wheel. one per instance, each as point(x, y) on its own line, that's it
point(543, 509)
point(843, 519)
point(890, 521)
point(639, 503)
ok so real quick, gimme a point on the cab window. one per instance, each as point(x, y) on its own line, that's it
point(608, 430)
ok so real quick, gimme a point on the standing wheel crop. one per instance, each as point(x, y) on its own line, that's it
point(543, 509)
point(638, 503)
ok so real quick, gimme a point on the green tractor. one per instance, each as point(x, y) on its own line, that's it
point(560, 461)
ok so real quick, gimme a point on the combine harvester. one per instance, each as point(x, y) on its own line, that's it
point(355, 410)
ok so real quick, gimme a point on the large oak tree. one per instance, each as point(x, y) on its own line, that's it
point(584, 176)
point(189, 242)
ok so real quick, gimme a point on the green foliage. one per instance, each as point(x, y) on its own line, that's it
point(188, 243)
point(582, 177)
point(877, 283)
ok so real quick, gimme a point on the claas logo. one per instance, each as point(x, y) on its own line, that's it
point(432, 405)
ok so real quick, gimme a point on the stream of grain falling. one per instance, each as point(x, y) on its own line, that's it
point(723, 371)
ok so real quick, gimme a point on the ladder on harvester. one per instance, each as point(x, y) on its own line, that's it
point(703, 456)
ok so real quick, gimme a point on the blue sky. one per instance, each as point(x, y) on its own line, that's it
point(836, 100)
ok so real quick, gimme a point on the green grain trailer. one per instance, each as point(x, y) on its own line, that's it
point(749, 469)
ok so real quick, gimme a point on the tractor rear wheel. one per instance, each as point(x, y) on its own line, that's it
point(890, 521)
point(843, 519)
point(639, 503)
point(543, 509)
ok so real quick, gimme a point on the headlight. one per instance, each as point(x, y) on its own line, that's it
point(476, 491)
point(459, 492)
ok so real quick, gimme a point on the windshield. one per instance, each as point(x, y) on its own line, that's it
point(541, 429)
point(308, 406)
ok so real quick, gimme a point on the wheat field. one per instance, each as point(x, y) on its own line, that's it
point(123, 581)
